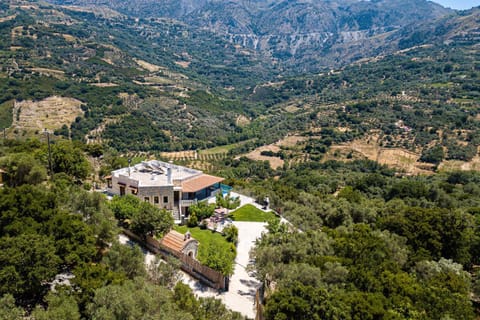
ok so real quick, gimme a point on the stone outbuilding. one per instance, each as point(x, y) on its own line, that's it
point(177, 243)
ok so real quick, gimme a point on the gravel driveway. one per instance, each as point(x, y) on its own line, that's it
point(241, 293)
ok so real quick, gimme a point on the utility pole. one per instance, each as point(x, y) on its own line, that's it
point(49, 154)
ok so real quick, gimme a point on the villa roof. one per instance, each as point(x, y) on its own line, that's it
point(175, 241)
point(200, 182)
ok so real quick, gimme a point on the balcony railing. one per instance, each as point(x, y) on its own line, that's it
point(188, 203)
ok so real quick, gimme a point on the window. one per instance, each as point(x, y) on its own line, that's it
point(165, 199)
point(147, 199)
point(109, 183)
point(155, 199)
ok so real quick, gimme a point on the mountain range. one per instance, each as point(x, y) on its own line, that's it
point(178, 86)
point(298, 36)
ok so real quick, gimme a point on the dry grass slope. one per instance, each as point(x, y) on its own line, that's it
point(51, 113)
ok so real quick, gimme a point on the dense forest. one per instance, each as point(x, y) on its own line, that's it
point(60, 256)
point(367, 244)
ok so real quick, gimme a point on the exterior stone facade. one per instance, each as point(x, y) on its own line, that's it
point(164, 185)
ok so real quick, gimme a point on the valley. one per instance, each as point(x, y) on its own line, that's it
point(357, 122)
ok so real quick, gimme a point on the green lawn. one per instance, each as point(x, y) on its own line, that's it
point(214, 251)
point(250, 213)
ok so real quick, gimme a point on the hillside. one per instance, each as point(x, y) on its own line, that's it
point(424, 101)
point(135, 97)
point(122, 70)
point(374, 164)
point(299, 36)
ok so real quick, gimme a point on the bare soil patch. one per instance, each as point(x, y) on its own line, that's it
point(291, 108)
point(156, 80)
point(8, 18)
point(59, 74)
point(104, 84)
point(51, 113)
point(109, 61)
point(99, 11)
point(68, 37)
point(148, 66)
point(242, 121)
point(368, 148)
point(455, 165)
point(183, 64)
point(291, 141)
point(275, 162)
point(402, 159)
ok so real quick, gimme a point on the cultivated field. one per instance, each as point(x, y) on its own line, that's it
point(147, 66)
point(275, 162)
point(369, 148)
point(59, 74)
point(452, 165)
point(289, 142)
point(51, 113)
point(104, 84)
point(398, 158)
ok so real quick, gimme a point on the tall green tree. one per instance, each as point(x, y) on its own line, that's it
point(94, 209)
point(150, 220)
point(60, 306)
point(22, 168)
point(125, 259)
point(74, 239)
point(304, 303)
point(435, 233)
point(124, 207)
point(164, 273)
point(70, 159)
point(231, 233)
point(218, 260)
point(28, 263)
point(202, 210)
point(134, 299)
point(8, 309)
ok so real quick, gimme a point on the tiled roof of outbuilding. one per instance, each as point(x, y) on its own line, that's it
point(175, 241)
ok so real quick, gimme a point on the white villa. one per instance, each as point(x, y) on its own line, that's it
point(165, 185)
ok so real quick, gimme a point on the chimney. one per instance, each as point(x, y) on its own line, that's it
point(169, 175)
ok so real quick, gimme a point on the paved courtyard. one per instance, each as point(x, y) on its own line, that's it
point(243, 286)
point(241, 294)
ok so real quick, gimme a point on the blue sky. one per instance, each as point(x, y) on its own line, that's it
point(459, 4)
